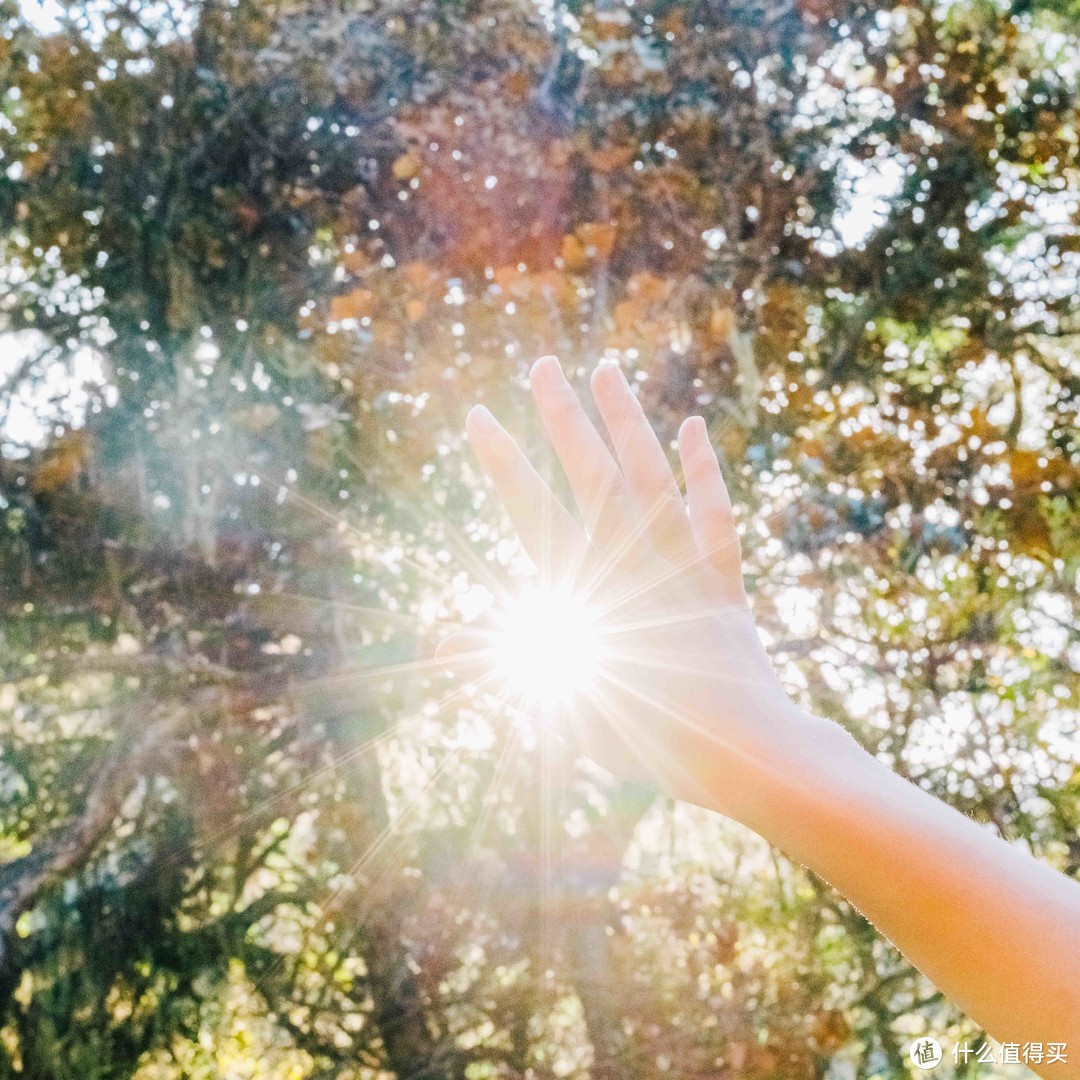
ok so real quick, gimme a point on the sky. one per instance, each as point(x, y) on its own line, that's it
point(44, 14)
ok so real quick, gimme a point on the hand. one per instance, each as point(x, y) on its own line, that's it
point(686, 696)
point(688, 702)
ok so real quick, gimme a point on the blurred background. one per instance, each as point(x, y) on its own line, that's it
point(256, 262)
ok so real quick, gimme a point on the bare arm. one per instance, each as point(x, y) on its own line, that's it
point(995, 930)
point(690, 703)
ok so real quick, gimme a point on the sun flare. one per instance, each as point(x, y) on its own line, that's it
point(549, 647)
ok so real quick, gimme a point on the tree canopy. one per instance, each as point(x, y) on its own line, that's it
point(256, 261)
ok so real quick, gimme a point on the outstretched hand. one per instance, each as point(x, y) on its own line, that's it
point(686, 700)
point(686, 693)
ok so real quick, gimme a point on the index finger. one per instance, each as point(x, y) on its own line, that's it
point(548, 532)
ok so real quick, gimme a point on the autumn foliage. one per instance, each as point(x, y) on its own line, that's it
point(246, 827)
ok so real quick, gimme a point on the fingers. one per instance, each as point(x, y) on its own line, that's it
point(549, 534)
point(644, 463)
point(711, 517)
point(594, 477)
point(618, 504)
point(469, 655)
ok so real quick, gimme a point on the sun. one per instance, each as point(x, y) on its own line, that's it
point(548, 647)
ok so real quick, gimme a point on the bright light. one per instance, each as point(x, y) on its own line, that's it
point(548, 648)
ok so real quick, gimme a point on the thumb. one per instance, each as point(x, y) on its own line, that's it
point(468, 654)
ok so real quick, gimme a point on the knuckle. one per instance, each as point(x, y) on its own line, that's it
point(564, 402)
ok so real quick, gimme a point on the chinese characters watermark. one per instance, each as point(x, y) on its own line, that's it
point(926, 1053)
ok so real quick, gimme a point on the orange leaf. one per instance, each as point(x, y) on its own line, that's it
point(419, 275)
point(407, 166)
point(517, 84)
point(648, 288)
point(610, 158)
point(353, 305)
point(598, 238)
point(573, 254)
point(386, 333)
point(354, 260)
point(1025, 468)
point(560, 151)
point(674, 22)
point(556, 287)
point(721, 323)
point(506, 277)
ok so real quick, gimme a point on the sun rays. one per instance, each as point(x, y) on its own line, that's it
point(555, 652)
point(548, 647)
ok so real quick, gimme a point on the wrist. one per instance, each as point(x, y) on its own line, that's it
point(801, 763)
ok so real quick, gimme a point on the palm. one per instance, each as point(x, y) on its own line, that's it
point(680, 660)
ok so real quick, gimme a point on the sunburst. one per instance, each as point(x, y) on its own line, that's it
point(547, 648)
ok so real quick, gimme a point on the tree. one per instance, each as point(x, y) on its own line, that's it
point(245, 817)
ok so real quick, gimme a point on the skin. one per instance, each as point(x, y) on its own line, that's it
point(689, 703)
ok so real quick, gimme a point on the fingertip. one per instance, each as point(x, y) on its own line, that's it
point(546, 369)
point(608, 375)
point(480, 422)
point(693, 430)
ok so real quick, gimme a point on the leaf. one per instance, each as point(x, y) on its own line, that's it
point(419, 275)
point(355, 261)
point(257, 419)
point(609, 158)
point(407, 166)
point(721, 324)
point(1025, 468)
point(1029, 529)
point(517, 84)
point(597, 238)
point(573, 254)
point(61, 465)
point(352, 305)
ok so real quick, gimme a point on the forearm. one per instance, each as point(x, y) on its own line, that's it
point(699, 713)
point(995, 930)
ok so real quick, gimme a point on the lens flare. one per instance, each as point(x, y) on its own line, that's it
point(548, 648)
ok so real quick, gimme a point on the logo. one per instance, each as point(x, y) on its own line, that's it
point(925, 1053)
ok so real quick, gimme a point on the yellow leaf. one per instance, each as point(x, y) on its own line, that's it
point(573, 254)
point(62, 464)
point(407, 166)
